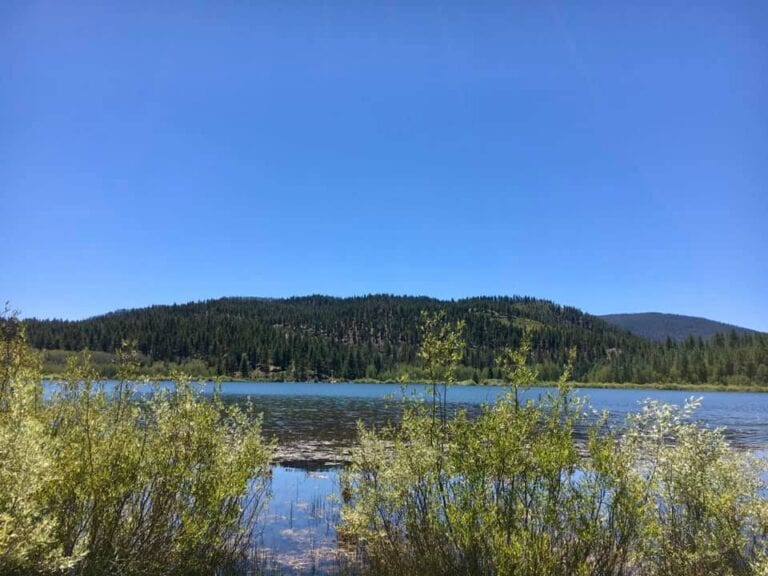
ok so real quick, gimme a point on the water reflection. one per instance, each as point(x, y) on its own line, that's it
point(300, 522)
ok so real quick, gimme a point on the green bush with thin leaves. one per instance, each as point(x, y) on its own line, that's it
point(546, 487)
point(97, 479)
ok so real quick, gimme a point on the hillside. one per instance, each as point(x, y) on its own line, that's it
point(377, 337)
point(657, 326)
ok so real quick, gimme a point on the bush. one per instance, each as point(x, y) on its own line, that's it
point(546, 488)
point(705, 504)
point(96, 479)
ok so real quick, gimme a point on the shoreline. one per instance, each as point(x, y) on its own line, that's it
point(491, 383)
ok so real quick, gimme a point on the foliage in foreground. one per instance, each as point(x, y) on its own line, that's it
point(93, 481)
point(546, 488)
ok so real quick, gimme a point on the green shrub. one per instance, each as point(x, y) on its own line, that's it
point(98, 480)
point(706, 506)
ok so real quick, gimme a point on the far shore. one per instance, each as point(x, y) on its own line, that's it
point(498, 383)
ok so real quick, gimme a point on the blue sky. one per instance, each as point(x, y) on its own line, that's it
point(607, 155)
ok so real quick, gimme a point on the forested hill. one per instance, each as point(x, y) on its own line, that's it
point(659, 327)
point(377, 337)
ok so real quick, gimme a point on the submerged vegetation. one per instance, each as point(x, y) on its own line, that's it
point(94, 480)
point(377, 338)
point(514, 491)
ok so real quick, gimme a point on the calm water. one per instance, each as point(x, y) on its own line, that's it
point(299, 534)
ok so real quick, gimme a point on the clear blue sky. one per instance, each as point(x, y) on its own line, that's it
point(607, 155)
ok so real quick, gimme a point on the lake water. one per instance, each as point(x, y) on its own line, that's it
point(315, 427)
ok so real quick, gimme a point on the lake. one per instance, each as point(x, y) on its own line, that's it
point(315, 427)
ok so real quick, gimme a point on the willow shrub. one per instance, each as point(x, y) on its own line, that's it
point(545, 487)
point(99, 480)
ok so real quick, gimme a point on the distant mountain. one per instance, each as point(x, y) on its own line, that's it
point(657, 326)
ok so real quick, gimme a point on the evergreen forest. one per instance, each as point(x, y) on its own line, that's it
point(376, 337)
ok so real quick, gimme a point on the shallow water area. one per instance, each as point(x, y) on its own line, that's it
point(300, 522)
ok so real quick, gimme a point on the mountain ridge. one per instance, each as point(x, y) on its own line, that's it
point(658, 326)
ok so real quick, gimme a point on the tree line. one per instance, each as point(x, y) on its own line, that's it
point(376, 337)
